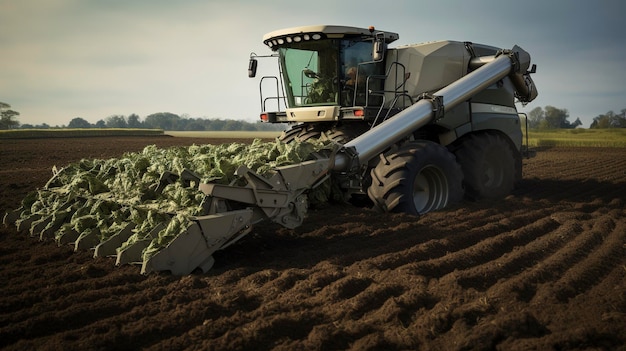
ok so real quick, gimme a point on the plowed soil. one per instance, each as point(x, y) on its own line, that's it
point(543, 269)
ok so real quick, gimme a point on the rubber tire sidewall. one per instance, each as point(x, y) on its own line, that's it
point(393, 179)
point(302, 132)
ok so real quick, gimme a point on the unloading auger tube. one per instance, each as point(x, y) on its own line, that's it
point(230, 211)
point(488, 70)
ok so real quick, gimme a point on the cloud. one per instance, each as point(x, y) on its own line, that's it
point(88, 58)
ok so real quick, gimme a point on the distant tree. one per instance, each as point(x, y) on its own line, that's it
point(8, 117)
point(162, 120)
point(233, 125)
point(550, 117)
point(79, 122)
point(556, 118)
point(600, 122)
point(181, 124)
point(535, 117)
point(248, 126)
point(609, 120)
point(620, 120)
point(133, 121)
point(100, 124)
point(27, 126)
point(195, 126)
point(216, 124)
point(116, 121)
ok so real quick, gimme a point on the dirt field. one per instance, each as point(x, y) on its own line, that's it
point(543, 269)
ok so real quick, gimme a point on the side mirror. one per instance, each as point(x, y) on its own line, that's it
point(378, 52)
point(252, 65)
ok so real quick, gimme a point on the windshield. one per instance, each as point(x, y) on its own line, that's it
point(309, 70)
point(326, 72)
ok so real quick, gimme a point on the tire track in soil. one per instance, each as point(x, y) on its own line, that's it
point(582, 241)
point(61, 306)
point(479, 245)
point(595, 262)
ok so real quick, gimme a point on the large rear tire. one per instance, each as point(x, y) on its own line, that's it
point(419, 177)
point(489, 165)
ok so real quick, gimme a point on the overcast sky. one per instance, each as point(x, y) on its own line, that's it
point(61, 59)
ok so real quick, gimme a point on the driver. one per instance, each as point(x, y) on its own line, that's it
point(351, 76)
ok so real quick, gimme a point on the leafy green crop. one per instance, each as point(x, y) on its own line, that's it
point(109, 195)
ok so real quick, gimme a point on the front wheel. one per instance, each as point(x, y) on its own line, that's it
point(417, 178)
point(302, 132)
point(347, 131)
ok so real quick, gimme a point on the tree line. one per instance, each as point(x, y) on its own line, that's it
point(549, 117)
point(169, 121)
point(552, 117)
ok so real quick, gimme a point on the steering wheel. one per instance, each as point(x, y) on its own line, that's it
point(310, 74)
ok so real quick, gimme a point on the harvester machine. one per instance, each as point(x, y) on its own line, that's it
point(413, 129)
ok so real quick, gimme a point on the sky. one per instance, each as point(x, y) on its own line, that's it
point(61, 59)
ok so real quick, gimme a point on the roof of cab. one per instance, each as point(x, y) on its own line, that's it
point(330, 31)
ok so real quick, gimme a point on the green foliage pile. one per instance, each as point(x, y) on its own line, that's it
point(108, 195)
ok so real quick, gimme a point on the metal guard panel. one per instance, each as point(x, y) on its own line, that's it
point(507, 123)
point(313, 114)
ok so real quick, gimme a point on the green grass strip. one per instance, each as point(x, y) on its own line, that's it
point(578, 138)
